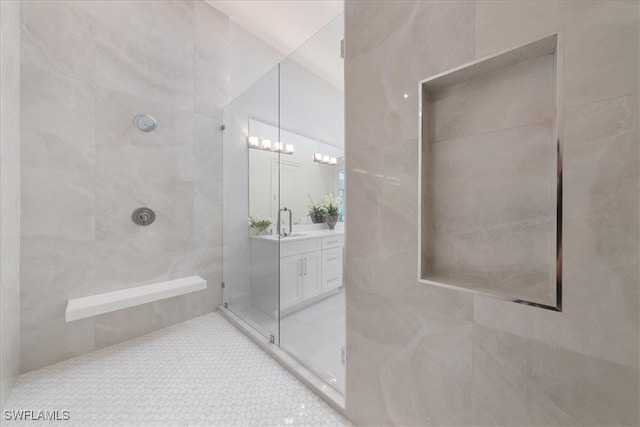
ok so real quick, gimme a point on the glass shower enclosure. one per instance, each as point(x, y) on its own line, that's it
point(275, 137)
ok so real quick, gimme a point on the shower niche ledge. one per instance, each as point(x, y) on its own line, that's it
point(491, 176)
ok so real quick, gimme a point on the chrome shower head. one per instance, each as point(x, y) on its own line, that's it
point(144, 122)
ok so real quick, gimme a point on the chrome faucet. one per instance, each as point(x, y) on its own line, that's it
point(282, 233)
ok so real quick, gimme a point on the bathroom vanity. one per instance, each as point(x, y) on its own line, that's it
point(310, 269)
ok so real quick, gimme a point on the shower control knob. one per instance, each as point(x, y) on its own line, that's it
point(143, 216)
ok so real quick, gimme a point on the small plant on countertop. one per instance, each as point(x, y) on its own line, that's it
point(315, 208)
point(260, 224)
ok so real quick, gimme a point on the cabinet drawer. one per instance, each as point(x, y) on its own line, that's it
point(331, 279)
point(332, 242)
point(299, 246)
point(332, 259)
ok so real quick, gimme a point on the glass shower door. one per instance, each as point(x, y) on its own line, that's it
point(313, 321)
point(251, 193)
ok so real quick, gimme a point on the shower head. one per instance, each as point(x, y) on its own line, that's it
point(144, 122)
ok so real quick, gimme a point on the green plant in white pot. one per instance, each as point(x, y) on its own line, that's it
point(331, 206)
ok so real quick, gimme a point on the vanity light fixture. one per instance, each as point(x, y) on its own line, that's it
point(268, 145)
point(324, 159)
point(254, 142)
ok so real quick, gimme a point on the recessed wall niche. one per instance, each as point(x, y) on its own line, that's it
point(491, 176)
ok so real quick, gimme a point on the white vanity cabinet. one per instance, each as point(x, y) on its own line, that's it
point(310, 269)
point(300, 278)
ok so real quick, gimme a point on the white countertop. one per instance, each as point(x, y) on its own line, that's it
point(300, 235)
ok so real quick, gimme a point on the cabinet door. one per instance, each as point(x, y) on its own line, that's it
point(290, 281)
point(311, 277)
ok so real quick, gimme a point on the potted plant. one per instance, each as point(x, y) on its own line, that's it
point(331, 207)
point(316, 211)
point(259, 224)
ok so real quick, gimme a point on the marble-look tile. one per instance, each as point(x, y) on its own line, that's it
point(211, 81)
point(600, 244)
point(208, 196)
point(208, 156)
point(515, 96)
point(58, 216)
point(55, 342)
point(405, 354)
point(485, 197)
point(601, 41)
point(9, 196)
point(117, 270)
point(123, 325)
point(137, 58)
point(44, 291)
point(174, 17)
point(517, 381)
point(603, 38)
point(83, 155)
point(502, 25)
point(590, 349)
point(383, 75)
point(207, 222)
point(116, 199)
point(513, 171)
point(59, 36)
point(58, 203)
point(599, 120)
point(211, 60)
point(115, 128)
point(57, 121)
point(211, 29)
point(382, 240)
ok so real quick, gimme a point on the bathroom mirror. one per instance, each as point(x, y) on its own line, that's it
point(288, 178)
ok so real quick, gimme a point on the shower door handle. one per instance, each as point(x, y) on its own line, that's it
point(305, 266)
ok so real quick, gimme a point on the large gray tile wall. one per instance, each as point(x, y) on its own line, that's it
point(422, 355)
point(88, 67)
point(9, 195)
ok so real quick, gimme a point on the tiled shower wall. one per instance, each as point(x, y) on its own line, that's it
point(422, 355)
point(89, 67)
point(9, 195)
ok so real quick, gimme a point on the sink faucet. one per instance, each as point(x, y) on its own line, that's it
point(282, 233)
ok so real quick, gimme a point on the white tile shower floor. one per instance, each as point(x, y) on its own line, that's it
point(202, 372)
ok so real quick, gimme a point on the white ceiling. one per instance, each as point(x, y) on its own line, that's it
point(287, 24)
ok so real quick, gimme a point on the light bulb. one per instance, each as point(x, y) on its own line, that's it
point(288, 148)
point(254, 142)
point(325, 159)
point(266, 144)
point(333, 161)
point(317, 157)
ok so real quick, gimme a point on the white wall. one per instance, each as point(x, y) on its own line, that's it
point(249, 59)
point(309, 105)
